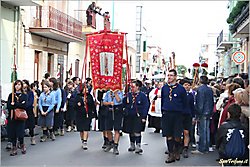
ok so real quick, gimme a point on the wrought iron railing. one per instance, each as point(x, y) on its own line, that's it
point(239, 19)
point(54, 18)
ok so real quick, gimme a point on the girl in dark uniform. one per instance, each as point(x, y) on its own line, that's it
point(30, 122)
point(102, 113)
point(136, 108)
point(16, 127)
point(85, 110)
point(71, 113)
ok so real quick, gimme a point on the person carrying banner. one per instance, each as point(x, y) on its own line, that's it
point(85, 109)
point(113, 100)
point(15, 128)
point(102, 113)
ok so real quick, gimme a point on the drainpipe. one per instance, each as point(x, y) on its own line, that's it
point(17, 13)
point(16, 34)
point(67, 61)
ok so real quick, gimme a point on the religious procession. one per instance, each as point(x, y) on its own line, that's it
point(194, 114)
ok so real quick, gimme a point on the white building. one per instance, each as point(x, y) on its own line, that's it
point(46, 36)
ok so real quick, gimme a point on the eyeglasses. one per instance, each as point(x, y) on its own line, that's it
point(171, 75)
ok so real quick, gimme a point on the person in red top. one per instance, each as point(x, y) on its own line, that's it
point(228, 101)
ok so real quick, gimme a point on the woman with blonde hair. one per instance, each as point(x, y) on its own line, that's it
point(241, 97)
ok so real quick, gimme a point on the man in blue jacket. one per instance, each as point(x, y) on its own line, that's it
point(173, 103)
point(204, 107)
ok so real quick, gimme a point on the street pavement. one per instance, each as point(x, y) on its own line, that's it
point(67, 151)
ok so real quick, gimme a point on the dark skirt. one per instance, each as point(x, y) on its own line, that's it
point(58, 118)
point(172, 124)
point(30, 122)
point(70, 113)
point(101, 122)
point(154, 122)
point(82, 122)
point(187, 122)
point(15, 129)
point(133, 124)
point(114, 120)
point(46, 121)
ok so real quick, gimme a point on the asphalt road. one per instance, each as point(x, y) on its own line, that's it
point(67, 151)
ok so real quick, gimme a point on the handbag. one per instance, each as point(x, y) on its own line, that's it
point(20, 114)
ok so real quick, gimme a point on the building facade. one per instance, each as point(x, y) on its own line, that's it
point(234, 38)
point(46, 36)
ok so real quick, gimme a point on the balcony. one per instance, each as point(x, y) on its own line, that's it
point(223, 43)
point(240, 27)
point(57, 25)
point(23, 2)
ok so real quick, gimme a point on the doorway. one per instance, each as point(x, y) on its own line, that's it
point(36, 64)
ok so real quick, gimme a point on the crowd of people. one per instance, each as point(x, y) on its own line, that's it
point(177, 109)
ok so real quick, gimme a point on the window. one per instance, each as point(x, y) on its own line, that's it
point(138, 43)
point(60, 66)
point(36, 65)
point(138, 58)
point(138, 18)
point(50, 62)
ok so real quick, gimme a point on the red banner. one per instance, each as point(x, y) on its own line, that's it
point(106, 53)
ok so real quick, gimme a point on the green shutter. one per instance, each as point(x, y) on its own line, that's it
point(144, 46)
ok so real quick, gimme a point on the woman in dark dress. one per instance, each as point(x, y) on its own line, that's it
point(16, 127)
point(85, 111)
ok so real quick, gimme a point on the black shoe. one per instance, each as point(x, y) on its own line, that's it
point(138, 149)
point(115, 150)
point(171, 158)
point(108, 147)
point(13, 151)
point(185, 153)
point(157, 131)
point(132, 147)
point(104, 146)
point(166, 152)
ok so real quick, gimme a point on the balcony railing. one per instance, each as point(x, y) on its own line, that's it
point(223, 41)
point(239, 19)
point(55, 19)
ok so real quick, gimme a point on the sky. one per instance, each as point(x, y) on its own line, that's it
point(182, 26)
point(179, 26)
